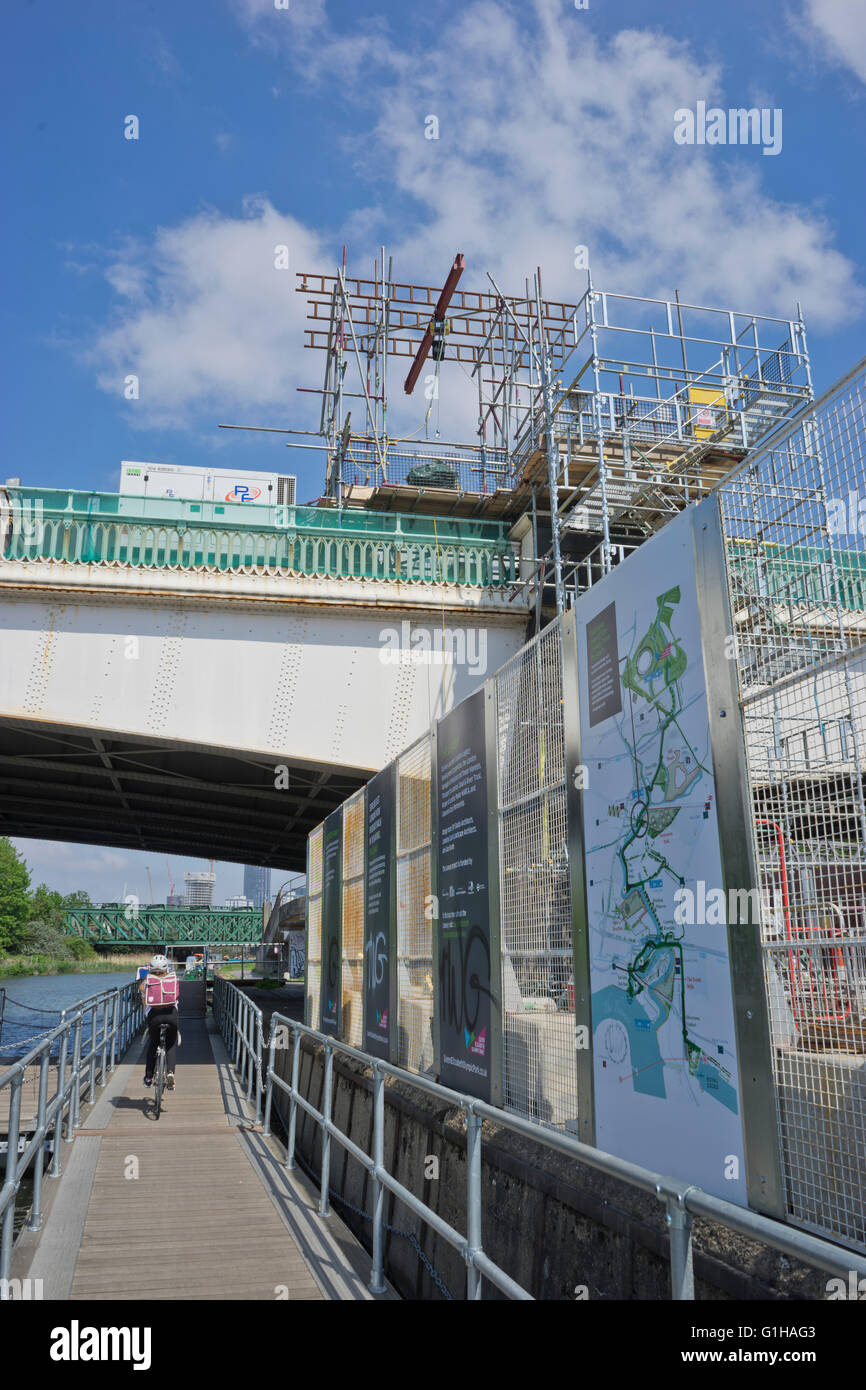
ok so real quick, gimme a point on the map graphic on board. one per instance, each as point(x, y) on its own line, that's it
point(664, 1053)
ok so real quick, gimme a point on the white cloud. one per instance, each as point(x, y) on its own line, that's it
point(212, 327)
point(549, 138)
point(840, 27)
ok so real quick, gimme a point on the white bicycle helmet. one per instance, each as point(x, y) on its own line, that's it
point(159, 963)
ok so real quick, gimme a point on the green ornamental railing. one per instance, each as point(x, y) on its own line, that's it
point(159, 533)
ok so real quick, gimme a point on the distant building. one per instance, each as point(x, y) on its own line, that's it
point(176, 900)
point(239, 901)
point(257, 885)
point(199, 889)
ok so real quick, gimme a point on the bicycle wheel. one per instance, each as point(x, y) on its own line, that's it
point(159, 1081)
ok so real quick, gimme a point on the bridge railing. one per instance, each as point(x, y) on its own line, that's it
point(459, 553)
point(83, 1049)
point(240, 1022)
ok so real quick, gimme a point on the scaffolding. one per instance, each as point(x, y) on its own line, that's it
point(597, 421)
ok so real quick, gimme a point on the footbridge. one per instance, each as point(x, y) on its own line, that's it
point(171, 926)
point(180, 677)
point(291, 1174)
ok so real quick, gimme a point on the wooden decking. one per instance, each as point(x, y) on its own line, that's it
point(194, 1205)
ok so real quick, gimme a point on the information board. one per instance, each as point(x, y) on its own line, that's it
point(332, 919)
point(464, 1000)
point(379, 914)
point(665, 1059)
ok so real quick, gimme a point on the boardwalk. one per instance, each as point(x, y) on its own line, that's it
point(193, 1205)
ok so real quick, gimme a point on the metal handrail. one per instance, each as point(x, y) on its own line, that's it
point(240, 1022)
point(120, 1017)
point(683, 1201)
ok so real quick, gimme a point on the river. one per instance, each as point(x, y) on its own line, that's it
point(34, 1002)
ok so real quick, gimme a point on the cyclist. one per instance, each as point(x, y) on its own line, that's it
point(160, 995)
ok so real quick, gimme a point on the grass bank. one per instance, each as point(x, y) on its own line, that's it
point(16, 966)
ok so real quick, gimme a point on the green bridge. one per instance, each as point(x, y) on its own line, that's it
point(170, 926)
point(102, 528)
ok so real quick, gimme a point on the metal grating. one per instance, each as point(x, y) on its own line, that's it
point(353, 919)
point(414, 915)
point(796, 567)
point(537, 980)
point(314, 925)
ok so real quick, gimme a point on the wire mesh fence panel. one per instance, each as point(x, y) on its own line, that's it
point(314, 926)
point(353, 919)
point(794, 518)
point(537, 979)
point(414, 916)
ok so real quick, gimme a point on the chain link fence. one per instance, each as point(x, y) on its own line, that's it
point(353, 919)
point(414, 909)
point(314, 926)
point(540, 1077)
point(794, 517)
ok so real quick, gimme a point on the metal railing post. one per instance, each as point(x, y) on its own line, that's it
point(324, 1198)
point(35, 1221)
point(92, 1050)
point(377, 1273)
point(106, 1002)
point(679, 1223)
point(249, 1047)
point(75, 1106)
point(293, 1107)
point(55, 1169)
point(259, 1048)
point(10, 1176)
point(115, 1020)
point(473, 1202)
point(269, 1086)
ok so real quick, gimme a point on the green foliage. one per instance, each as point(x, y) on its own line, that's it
point(46, 905)
point(77, 899)
point(43, 939)
point(80, 949)
point(14, 899)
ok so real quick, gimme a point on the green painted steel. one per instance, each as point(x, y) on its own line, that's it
point(793, 575)
point(165, 533)
point(178, 926)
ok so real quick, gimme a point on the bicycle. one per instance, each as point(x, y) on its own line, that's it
point(159, 1072)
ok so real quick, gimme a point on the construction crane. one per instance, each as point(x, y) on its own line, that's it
point(170, 879)
point(149, 882)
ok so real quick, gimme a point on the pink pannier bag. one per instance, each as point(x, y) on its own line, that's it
point(161, 990)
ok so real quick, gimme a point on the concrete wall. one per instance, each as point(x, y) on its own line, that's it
point(553, 1224)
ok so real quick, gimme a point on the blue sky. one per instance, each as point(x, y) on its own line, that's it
point(305, 126)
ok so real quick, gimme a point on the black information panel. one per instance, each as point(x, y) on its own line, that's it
point(379, 905)
point(464, 1003)
point(602, 666)
point(332, 917)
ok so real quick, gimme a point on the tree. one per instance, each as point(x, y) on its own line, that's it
point(46, 905)
point(41, 938)
point(14, 897)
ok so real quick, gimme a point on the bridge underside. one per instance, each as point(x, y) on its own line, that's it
point(135, 792)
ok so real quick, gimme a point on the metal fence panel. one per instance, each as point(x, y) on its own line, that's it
point(353, 920)
point(537, 964)
point(314, 926)
point(414, 916)
point(794, 518)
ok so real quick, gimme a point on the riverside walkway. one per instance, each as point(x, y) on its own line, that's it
point(195, 1205)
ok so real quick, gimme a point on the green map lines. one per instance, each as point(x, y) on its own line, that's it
point(665, 1073)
